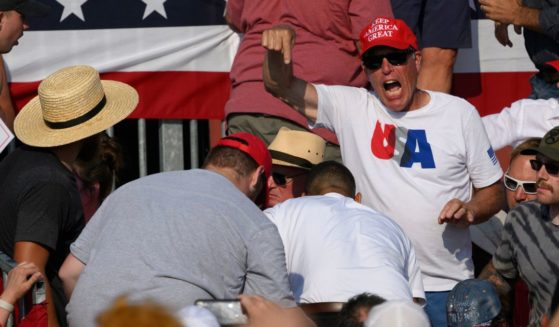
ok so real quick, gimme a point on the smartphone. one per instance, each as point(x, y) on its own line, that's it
point(227, 312)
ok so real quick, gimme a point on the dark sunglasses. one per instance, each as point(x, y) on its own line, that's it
point(395, 58)
point(281, 180)
point(551, 167)
point(512, 184)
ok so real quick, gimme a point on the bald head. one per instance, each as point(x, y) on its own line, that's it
point(330, 176)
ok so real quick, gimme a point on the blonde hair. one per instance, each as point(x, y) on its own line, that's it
point(532, 142)
point(124, 314)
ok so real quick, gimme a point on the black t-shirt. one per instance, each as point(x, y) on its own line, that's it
point(40, 203)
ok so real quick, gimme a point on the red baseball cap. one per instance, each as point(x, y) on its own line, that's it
point(388, 32)
point(251, 145)
point(550, 71)
point(553, 64)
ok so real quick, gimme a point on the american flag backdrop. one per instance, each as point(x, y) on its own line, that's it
point(177, 53)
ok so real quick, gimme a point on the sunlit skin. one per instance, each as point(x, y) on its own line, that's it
point(12, 25)
point(292, 189)
point(396, 85)
point(548, 185)
point(520, 169)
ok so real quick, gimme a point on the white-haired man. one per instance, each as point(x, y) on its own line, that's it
point(420, 157)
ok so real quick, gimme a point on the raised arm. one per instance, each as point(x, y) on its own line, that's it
point(278, 72)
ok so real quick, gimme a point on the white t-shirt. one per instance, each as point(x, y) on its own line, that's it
point(524, 119)
point(408, 165)
point(336, 248)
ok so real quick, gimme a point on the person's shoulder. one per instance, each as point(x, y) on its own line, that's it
point(342, 89)
point(376, 217)
point(551, 102)
point(34, 166)
point(524, 212)
point(302, 203)
point(452, 101)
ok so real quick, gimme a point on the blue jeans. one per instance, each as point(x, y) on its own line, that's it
point(543, 90)
point(436, 308)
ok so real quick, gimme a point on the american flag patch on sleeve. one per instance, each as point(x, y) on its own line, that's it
point(492, 155)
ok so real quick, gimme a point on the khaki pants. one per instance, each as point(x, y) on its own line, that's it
point(266, 128)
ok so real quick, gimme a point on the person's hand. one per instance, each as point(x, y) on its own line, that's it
point(502, 11)
point(502, 34)
point(280, 38)
point(20, 279)
point(458, 213)
point(265, 313)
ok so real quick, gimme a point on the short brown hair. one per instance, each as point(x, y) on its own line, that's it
point(227, 157)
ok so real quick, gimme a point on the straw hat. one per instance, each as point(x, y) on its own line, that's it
point(297, 149)
point(73, 103)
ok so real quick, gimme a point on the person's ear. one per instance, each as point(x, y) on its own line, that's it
point(255, 177)
point(357, 197)
point(417, 58)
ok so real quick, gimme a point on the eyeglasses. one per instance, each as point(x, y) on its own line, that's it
point(512, 184)
point(395, 58)
point(551, 167)
point(281, 179)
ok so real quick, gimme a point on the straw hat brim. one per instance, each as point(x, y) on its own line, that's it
point(278, 162)
point(31, 129)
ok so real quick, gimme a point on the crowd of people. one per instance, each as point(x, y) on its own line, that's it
point(350, 181)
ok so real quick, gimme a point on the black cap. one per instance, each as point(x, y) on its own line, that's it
point(28, 8)
point(549, 145)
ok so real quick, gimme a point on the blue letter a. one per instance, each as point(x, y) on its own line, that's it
point(417, 139)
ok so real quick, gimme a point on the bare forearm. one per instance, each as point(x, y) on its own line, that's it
point(38, 255)
point(6, 106)
point(486, 202)
point(502, 285)
point(4, 313)
point(277, 71)
point(51, 311)
point(69, 274)
point(280, 82)
point(528, 18)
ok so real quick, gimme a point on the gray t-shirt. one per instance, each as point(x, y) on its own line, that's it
point(529, 250)
point(177, 237)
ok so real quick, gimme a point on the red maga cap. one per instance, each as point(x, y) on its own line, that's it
point(554, 64)
point(389, 32)
point(251, 145)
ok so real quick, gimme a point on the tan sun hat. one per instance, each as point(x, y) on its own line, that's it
point(297, 149)
point(73, 103)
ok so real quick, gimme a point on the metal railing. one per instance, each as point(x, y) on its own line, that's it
point(153, 146)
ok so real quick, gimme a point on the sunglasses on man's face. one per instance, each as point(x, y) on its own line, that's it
point(395, 58)
point(281, 179)
point(512, 184)
point(551, 167)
